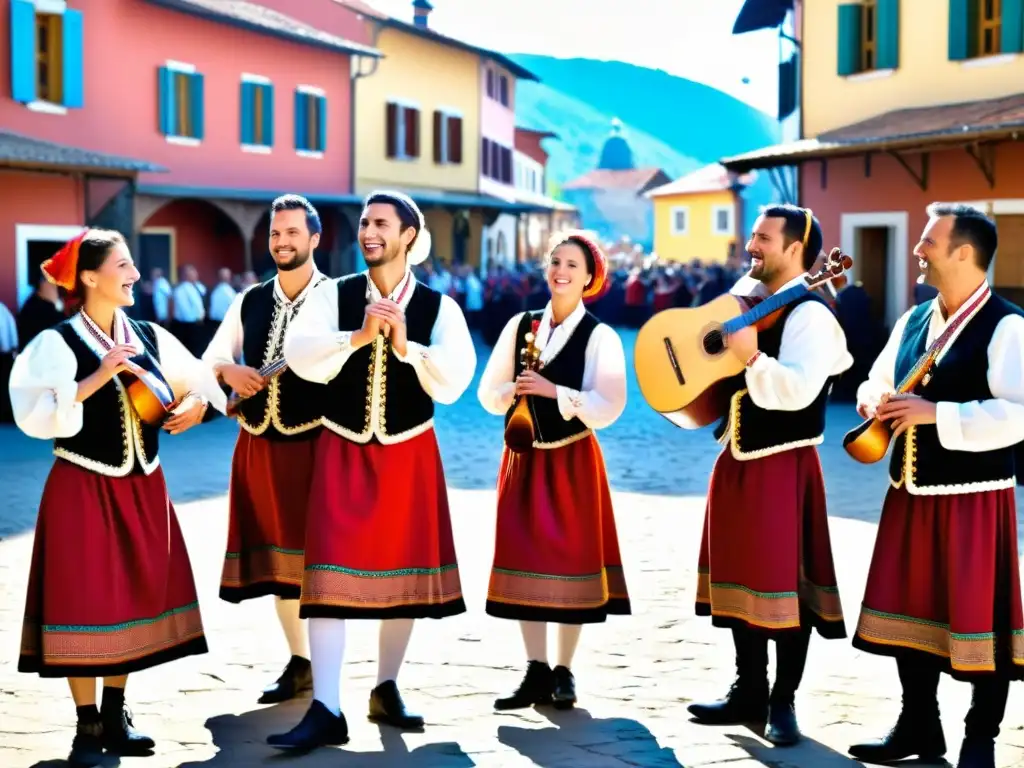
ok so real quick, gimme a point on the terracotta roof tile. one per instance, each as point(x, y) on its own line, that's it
point(639, 179)
point(710, 178)
point(27, 152)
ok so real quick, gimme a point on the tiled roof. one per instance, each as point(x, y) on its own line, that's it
point(359, 6)
point(901, 129)
point(267, 21)
point(638, 179)
point(710, 178)
point(17, 150)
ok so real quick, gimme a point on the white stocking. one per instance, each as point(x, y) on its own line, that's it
point(568, 639)
point(535, 638)
point(391, 646)
point(293, 626)
point(327, 643)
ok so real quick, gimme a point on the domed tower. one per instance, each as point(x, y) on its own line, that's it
point(616, 154)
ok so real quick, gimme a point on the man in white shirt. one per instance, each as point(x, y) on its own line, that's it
point(221, 296)
point(189, 311)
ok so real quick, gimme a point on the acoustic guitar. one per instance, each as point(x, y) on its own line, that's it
point(681, 359)
point(151, 398)
point(267, 372)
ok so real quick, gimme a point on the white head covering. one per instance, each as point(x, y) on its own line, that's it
point(420, 250)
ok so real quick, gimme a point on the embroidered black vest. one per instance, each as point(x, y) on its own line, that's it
point(289, 407)
point(375, 395)
point(565, 369)
point(112, 440)
point(960, 377)
point(756, 431)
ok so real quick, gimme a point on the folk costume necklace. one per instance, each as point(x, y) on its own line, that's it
point(101, 337)
point(937, 347)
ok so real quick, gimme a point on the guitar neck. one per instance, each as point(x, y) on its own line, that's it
point(772, 304)
point(273, 368)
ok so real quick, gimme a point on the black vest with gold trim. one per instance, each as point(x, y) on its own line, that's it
point(376, 395)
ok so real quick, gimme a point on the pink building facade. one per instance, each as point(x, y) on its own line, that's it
point(173, 121)
point(497, 130)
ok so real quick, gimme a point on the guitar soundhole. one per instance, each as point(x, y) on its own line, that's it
point(714, 342)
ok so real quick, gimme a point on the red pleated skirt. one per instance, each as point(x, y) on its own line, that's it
point(765, 555)
point(110, 589)
point(945, 582)
point(268, 496)
point(556, 551)
point(379, 539)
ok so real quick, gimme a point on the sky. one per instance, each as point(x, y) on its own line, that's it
point(689, 38)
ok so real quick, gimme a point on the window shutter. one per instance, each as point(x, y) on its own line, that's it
point(165, 96)
point(301, 130)
point(412, 132)
point(195, 95)
point(485, 158)
point(247, 113)
point(848, 45)
point(23, 51)
point(73, 56)
point(504, 90)
point(455, 140)
point(268, 114)
point(506, 165)
point(321, 129)
point(1012, 26)
point(788, 72)
point(438, 144)
point(391, 128)
point(887, 32)
point(963, 29)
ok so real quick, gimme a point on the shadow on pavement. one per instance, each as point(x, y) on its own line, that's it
point(807, 752)
point(609, 738)
point(240, 740)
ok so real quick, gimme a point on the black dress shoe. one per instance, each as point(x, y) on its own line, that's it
point(296, 678)
point(977, 754)
point(87, 746)
point(536, 688)
point(912, 736)
point(564, 695)
point(119, 734)
point(742, 704)
point(319, 728)
point(387, 707)
point(782, 729)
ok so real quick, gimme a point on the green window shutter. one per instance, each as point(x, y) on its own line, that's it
point(167, 117)
point(197, 106)
point(23, 51)
point(849, 38)
point(268, 115)
point(247, 112)
point(963, 29)
point(887, 34)
point(74, 59)
point(301, 121)
point(321, 116)
point(1012, 26)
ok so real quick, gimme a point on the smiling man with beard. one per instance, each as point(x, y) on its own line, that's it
point(280, 421)
point(766, 568)
point(380, 542)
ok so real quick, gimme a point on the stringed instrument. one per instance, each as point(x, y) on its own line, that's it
point(520, 431)
point(681, 359)
point(152, 399)
point(267, 372)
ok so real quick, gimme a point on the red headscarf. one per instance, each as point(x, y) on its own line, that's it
point(61, 269)
point(599, 280)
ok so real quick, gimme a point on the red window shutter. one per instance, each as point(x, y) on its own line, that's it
point(412, 132)
point(455, 140)
point(392, 130)
point(438, 146)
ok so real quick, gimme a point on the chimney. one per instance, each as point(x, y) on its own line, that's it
point(420, 11)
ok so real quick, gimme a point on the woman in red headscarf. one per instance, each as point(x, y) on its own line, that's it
point(556, 555)
point(110, 589)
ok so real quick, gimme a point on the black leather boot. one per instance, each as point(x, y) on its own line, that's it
point(988, 705)
point(319, 727)
point(537, 687)
point(87, 746)
point(918, 731)
point(119, 734)
point(747, 699)
point(791, 656)
point(296, 678)
point(387, 707)
point(564, 694)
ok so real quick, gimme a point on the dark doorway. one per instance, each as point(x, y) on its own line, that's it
point(155, 253)
point(872, 257)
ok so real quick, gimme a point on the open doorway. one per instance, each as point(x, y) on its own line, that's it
point(872, 266)
point(34, 244)
point(1007, 273)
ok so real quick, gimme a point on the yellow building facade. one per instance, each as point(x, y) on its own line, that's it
point(695, 217)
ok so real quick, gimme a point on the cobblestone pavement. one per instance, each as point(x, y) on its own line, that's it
point(635, 674)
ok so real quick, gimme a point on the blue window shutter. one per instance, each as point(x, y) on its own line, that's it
point(321, 135)
point(165, 96)
point(300, 120)
point(848, 45)
point(887, 32)
point(962, 29)
point(74, 59)
point(268, 114)
point(1013, 26)
point(23, 51)
point(246, 113)
point(196, 104)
